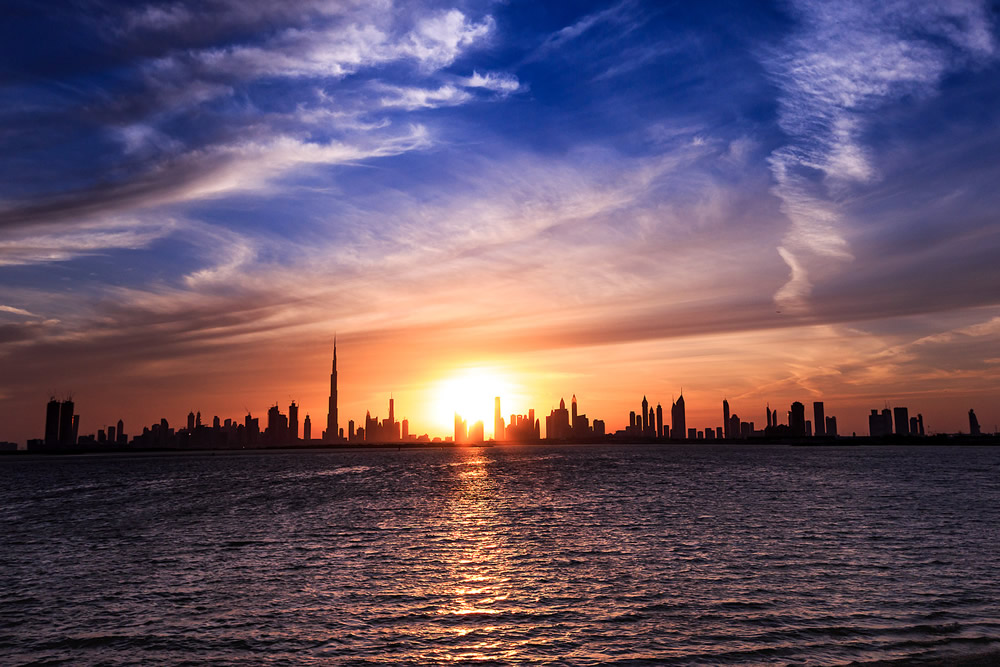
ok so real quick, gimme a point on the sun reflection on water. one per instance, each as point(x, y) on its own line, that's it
point(476, 570)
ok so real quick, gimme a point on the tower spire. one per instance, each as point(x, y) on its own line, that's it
point(332, 426)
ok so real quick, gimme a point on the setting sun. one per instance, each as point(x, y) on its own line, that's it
point(470, 392)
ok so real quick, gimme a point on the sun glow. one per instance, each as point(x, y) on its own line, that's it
point(471, 393)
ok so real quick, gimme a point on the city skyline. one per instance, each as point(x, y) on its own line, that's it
point(792, 201)
point(562, 424)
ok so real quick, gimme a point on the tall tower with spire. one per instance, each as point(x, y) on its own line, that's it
point(645, 417)
point(332, 429)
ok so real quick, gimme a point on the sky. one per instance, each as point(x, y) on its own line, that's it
point(753, 201)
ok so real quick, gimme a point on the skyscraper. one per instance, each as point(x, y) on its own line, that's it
point(645, 416)
point(973, 423)
point(332, 428)
point(797, 419)
point(293, 422)
point(659, 421)
point(52, 422)
point(819, 418)
point(725, 417)
point(307, 429)
point(498, 425)
point(878, 425)
point(678, 418)
point(66, 436)
point(902, 418)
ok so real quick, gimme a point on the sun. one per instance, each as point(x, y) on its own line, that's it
point(471, 393)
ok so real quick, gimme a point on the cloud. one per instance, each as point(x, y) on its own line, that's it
point(16, 311)
point(844, 62)
point(203, 173)
point(499, 82)
point(63, 245)
point(618, 13)
point(437, 40)
point(333, 51)
point(421, 98)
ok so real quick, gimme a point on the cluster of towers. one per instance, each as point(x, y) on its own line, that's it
point(521, 428)
point(563, 424)
point(895, 422)
point(648, 423)
point(387, 430)
point(62, 425)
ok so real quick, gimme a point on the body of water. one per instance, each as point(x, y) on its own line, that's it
point(579, 555)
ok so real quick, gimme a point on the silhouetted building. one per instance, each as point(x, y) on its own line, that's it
point(557, 425)
point(645, 416)
point(406, 429)
point(902, 418)
point(477, 432)
point(67, 433)
point(293, 422)
point(599, 427)
point(277, 426)
point(797, 419)
point(831, 426)
point(52, 422)
point(920, 425)
point(190, 421)
point(678, 418)
point(879, 424)
point(350, 429)
point(498, 425)
point(332, 425)
point(725, 417)
point(659, 422)
point(819, 418)
point(461, 430)
point(973, 423)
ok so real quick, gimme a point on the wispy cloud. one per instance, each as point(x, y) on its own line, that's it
point(619, 13)
point(499, 82)
point(32, 247)
point(15, 311)
point(842, 64)
point(422, 98)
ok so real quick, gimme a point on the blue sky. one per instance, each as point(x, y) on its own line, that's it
point(781, 200)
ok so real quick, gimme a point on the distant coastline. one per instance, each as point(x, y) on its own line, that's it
point(940, 440)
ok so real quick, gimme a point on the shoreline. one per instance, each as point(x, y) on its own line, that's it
point(956, 440)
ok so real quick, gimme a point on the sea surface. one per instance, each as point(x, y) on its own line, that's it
point(558, 555)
